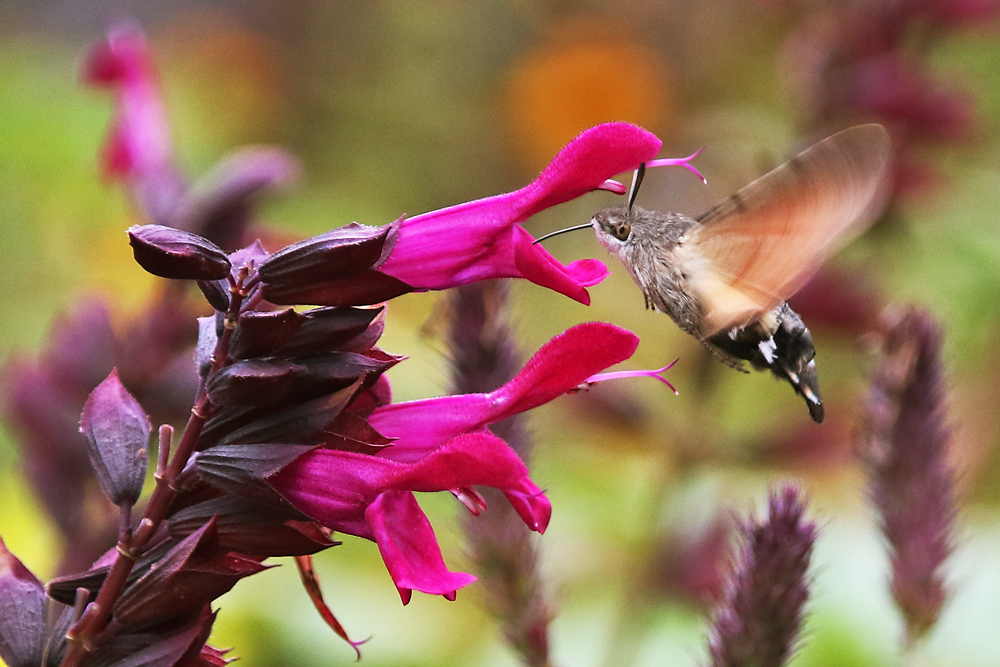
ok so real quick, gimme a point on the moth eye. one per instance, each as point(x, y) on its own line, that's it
point(621, 230)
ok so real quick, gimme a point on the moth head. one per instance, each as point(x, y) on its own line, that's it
point(613, 227)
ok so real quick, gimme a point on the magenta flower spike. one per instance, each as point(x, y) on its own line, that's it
point(560, 366)
point(483, 239)
point(372, 497)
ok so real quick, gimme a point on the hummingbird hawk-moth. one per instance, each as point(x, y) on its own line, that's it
point(724, 277)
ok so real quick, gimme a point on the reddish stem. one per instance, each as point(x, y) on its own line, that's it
point(131, 543)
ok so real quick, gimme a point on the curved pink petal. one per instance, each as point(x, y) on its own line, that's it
point(467, 460)
point(331, 485)
point(562, 364)
point(409, 547)
point(531, 504)
point(586, 162)
point(534, 263)
point(481, 239)
point(373, 498)
point(559, 366)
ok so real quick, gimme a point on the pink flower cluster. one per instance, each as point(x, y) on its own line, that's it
point(293, 434)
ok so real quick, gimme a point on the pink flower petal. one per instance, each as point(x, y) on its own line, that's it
point(559, 366)
point(531, 504)
point(469, 459)
point(481, 239)
point(373, 498)
point(409, 547)
point(563, 363)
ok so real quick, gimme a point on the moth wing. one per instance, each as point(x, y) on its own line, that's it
point(760, 245)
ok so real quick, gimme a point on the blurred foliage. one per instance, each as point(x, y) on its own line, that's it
point(400, 107)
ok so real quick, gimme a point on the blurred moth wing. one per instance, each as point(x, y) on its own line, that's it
point(756, 248)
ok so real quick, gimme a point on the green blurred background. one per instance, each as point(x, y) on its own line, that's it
point(397, 106)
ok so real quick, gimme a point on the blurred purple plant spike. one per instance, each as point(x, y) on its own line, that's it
point(760, 618)
point(905, 447)
point(484, 357)
point(869, 60)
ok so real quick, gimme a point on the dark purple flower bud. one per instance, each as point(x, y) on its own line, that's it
point(240, 469)
point(299, 424)
point(22, 613)
point(118, 432)
point(208, 339)
point(174, 253)
point(170, 651)
point(329, 329)
point(190, 575)
point(253, 382)
point(340, 253)
point(365, 288)
point(905, 444)
point(350, 433)
point(216, 293)
point(276, 381)
point(327, 372)
point(251, 256)
point(251, 528)
point(261, 334)
point(759, 620)
point(63, 589)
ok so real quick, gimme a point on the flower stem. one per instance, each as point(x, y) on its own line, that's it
point(132, 543)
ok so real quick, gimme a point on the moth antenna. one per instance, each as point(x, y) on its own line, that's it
point(636, 182)
point(558, 232)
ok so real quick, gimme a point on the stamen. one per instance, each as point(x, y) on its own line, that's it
point(679, 162)
point(616, 375)
point(472, 499)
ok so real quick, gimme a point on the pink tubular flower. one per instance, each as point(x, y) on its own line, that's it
point(373, 498)
point(442, 444)
point(560, 366)
point(483, 239)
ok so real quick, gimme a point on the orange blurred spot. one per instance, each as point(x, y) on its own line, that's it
point(235, 72)
point(584, 73)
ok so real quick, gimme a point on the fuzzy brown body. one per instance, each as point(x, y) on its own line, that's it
point(655, 249)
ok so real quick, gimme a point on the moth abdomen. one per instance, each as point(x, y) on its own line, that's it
point(784, 346)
